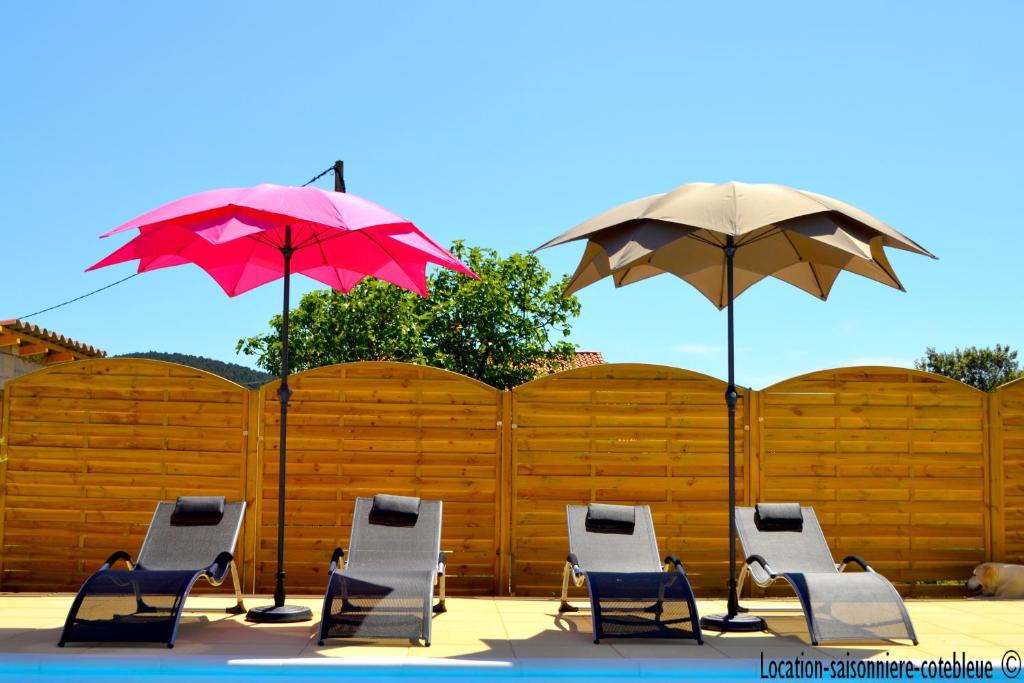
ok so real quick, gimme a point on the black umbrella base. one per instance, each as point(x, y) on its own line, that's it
point(739, 623)
point(284, 614)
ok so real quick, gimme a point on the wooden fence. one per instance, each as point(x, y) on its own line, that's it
point(363, 428)
point(895, 463)
point(922, 475)
point(622, 434)
point(91, 445)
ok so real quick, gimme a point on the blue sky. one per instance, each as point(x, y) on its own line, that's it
point(505, 125)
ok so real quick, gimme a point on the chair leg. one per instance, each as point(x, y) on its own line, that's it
point(239, 607)
point(739, 587)
point(428, 621)
point(565, 606)
point(439, 608)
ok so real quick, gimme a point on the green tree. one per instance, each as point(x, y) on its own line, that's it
point(497, 329)
point(983, 368)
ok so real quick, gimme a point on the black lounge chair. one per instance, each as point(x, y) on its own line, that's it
point(188, 540)
point(613, 550)
point(385, 586)
point(784, 541)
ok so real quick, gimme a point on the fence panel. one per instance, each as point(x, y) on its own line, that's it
point(922, 475)
point(626, 434)
point(93, 445)
point(1008, 472)
point(894, 462)
point(364, 428)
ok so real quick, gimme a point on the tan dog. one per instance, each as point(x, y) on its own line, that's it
point(998, 579)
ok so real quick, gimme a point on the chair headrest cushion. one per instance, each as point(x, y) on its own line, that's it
point(778, 517)
point(611, 519)
point(394, 510)
point(198, 510)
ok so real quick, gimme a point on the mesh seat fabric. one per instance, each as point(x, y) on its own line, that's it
point(614, 552)
point(378, 604)
point(785, 551)
point(130, 606)
point(641, 605)
point(852, 607)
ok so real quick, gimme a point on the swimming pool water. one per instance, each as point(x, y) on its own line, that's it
point(99, 669)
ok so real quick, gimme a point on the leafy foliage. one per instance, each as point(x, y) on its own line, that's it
point(983, 368)
point(238, 374)
point(497, 329)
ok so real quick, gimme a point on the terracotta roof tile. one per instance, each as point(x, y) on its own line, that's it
point(585, 359)
point(31, 333)
point(582, 359)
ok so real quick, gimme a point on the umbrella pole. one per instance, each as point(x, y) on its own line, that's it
point(732, 620)
point(280, 612)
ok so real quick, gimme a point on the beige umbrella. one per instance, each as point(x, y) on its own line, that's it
point(722, 239)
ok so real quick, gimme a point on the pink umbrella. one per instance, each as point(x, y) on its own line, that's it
point(246, 237)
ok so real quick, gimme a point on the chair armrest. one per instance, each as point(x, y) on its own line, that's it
point(442, 562)
point(855, 558)
point(673, 562)
point(574, 564)
point(119, 555)
point(757, 559)
point(220, 565)
point(336, 557)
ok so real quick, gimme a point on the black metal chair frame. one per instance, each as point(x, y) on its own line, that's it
point(222, 568)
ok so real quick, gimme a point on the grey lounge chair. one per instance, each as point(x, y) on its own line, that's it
point(614, 551)
point(385, 587)
point(188, 540)
point(784, 541)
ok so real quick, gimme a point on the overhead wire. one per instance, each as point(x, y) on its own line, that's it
point(330, 169)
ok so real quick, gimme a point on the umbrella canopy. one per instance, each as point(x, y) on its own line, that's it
point(246, 237)
point(237, 236)
point(803, 238)
point(722, 239)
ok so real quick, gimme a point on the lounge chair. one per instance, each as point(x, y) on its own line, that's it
point(188, 540)
point(783, 541)
point(613, 550)
point(385, 586)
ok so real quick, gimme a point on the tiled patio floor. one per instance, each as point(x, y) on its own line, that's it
point(521, 629)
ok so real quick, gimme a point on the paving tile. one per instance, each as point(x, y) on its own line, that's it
point(488, 629)
point(358, 650)
point(545, 651)
point(687, 649)
point(496, 650)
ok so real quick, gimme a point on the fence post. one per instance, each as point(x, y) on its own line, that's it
point(752, 442)
point(996, 485)
point(253, 447)
point(503, 578)
point(4, 450)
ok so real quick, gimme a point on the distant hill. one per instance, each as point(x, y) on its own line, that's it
point(239, 374)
